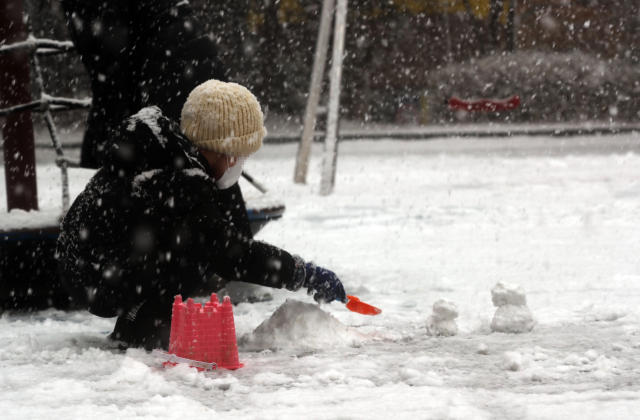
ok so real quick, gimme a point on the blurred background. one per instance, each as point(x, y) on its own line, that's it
point(568, 60)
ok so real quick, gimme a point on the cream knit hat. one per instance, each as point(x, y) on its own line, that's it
point(224, 118)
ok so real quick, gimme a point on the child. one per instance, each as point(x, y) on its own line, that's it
point(150, 225)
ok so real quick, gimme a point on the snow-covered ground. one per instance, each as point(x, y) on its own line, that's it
point(409, 223)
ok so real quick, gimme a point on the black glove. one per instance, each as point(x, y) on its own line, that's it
point(325, 283)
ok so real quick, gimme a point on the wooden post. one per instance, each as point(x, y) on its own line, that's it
point(319, 60)
point(17, 131)
point(330, 155)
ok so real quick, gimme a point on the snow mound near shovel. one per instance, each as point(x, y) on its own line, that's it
point(300, 325)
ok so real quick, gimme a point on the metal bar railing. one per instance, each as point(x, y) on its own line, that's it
point(40, 46)
point(50, 103)
point(47, 103)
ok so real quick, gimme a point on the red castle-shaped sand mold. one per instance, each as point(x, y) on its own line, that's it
point(206, 333)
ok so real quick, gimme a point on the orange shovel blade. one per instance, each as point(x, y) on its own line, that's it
point(355, 305)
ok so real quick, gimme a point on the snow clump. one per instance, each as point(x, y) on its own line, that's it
point(592, 355)
point(300, 325)
point(148, 116)
point(512, 315)
point(482, 349)
point(442, 320)
point(515, 361)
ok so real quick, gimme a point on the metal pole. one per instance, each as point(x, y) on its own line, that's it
point(17, 131)
point(330, 155)
point(319, 60)
point(53, 132)
point(254, 182)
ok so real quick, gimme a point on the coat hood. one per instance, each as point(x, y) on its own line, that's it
point(148, 140)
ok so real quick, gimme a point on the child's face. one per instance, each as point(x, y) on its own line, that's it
point(218, 162)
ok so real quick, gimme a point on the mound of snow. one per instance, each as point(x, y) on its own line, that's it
point(598, 313)
point(515, 361)
point(512, 315)
point(18, 219)
point(300, 325)
point(513, 319)
point(442, 320)
point(482, 349)
point(508, 294)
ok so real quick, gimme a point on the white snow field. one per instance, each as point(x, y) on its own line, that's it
point(409, 223)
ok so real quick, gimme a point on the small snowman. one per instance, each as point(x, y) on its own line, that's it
point(512, 315)
point(442, 320)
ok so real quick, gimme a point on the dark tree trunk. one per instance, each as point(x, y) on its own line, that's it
point(497, 6)
point(511, 26)
point(478, 27)
point(269, 53)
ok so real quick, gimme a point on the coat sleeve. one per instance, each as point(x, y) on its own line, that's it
point(225, 251)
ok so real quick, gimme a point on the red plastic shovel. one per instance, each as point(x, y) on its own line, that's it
point(355, 305)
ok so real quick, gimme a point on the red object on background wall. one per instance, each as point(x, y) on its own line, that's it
point(484, 105)
point(17, 130)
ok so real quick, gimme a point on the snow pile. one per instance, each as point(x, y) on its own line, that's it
point(512, 315)
point(442, 320)
point(592, 312)
point(298, 325)
point(415, 377)
point(21, 348)
point(19, 219)
point(541, 364)
point(482, 349)
point(515, 361)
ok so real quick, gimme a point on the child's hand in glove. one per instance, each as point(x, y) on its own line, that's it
point(325, 283)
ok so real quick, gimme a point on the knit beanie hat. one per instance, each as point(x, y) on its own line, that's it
point(224, 118)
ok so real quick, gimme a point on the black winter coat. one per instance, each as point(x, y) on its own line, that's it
point(138, 53)
point(150, 224)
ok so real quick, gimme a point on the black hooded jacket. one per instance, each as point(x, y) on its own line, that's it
point(150, 224)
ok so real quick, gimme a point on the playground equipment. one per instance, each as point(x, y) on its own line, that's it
point(484, 105)
point(330, 155)
point(203, 336)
